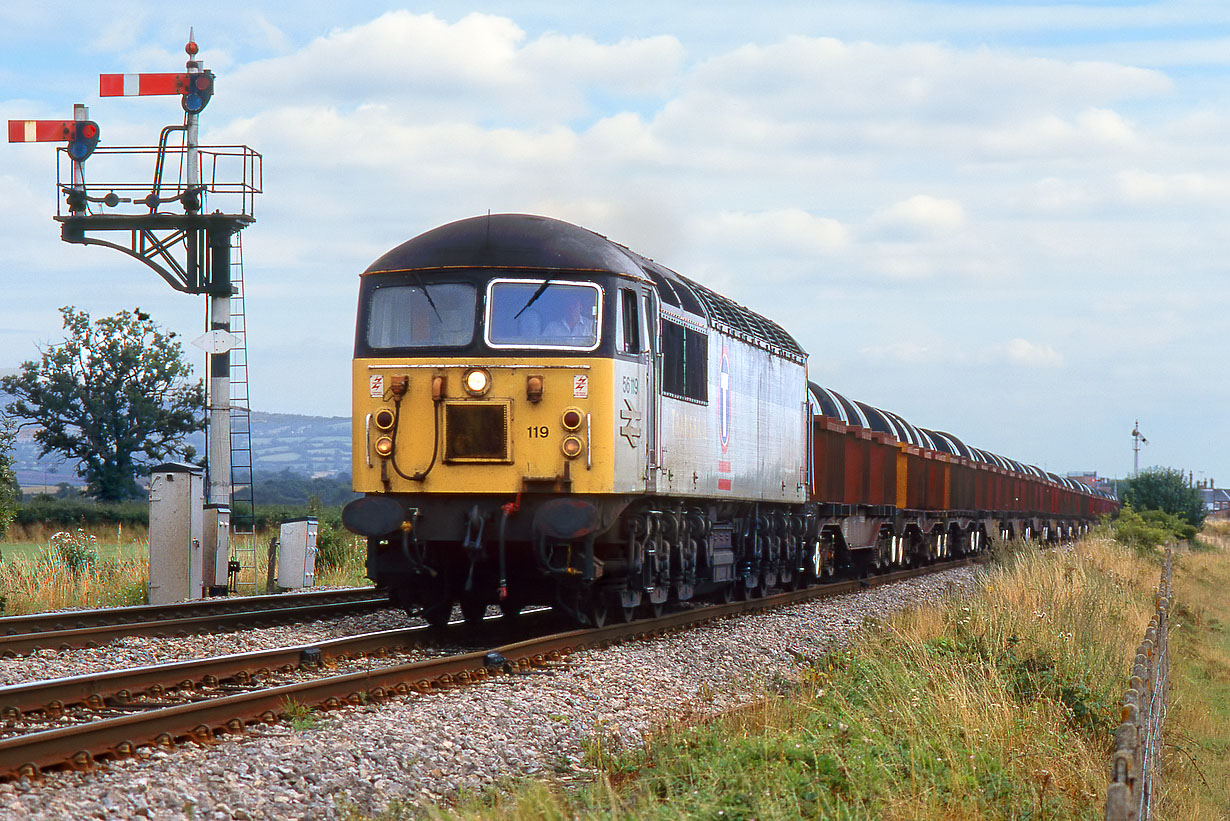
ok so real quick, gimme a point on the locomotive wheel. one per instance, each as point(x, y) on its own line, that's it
point(473, 608)
point(628, 613)
point(437, 615)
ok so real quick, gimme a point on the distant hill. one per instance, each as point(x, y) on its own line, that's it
point(310, 446)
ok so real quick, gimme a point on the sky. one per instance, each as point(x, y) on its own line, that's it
point(1003, 220)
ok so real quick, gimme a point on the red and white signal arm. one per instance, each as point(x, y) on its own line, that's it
point(44, 131)
point(141, 85)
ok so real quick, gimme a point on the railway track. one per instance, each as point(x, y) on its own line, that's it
point(66, 630)
point(203, 717)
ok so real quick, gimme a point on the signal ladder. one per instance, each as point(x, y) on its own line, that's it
point(243, 503)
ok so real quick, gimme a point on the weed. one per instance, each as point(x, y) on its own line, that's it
point(77, 550)
point(299, 716)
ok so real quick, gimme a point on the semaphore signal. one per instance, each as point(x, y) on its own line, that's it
point(195, 88)
point(81, 135)
point(189, 242)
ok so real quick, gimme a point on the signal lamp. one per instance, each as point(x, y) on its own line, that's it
point(384, 446)
point(571, 446)
point(196, 95)
point(82, 139)
point(572, 419)
point(384, 419)
point(477, 382)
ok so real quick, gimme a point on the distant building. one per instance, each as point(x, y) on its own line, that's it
point(1216, 500)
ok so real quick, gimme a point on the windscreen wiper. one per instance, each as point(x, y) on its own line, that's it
point(533, 299)
point(419, 279)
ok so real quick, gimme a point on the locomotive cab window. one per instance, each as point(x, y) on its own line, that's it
point(543, 314)
point(421, 315)
point(685, 362)
point(629, 341)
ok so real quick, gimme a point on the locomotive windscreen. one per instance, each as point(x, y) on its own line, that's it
point(421, 315)
point(543, 314)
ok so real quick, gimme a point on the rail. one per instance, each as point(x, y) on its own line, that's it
point(1135, 764)
point(203, 721)
point(21, 635)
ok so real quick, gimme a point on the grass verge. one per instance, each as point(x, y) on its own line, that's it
point(999, 705)
point(1197, 764)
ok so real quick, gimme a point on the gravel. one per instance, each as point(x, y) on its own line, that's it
point(425, 748)
point(134, 651)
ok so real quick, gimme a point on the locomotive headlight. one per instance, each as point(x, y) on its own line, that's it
point(477, 381)
point(572, 418)
point(384, 419)
point(571, 446)
point(384, 446)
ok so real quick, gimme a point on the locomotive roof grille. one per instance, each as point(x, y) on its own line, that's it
point(731, 313)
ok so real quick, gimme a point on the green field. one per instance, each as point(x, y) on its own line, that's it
point(32, 551)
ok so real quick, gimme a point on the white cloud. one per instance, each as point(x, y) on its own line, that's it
point(479, 68)
point(918, 217)
point(789, 232)
point(939, 352)
point(1149, 188)
point(1030, 354)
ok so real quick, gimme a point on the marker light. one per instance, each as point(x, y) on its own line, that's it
point(384, 446)
point(571, 446)
point(384, 419)
point(533, 388)
point(572, 419)
point(477, 381)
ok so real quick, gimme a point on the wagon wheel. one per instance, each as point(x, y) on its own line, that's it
point(596, 611)
point(629, 603)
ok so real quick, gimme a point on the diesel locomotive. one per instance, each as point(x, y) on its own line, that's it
point(542, 415)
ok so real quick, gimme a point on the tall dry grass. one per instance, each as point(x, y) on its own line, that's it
point(109, 567)
point(71, 571)
point(999, 703)
point(1196, 772)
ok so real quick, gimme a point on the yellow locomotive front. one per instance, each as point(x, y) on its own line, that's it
point(486, 417)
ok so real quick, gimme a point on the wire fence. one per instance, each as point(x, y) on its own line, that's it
point(1135, 769)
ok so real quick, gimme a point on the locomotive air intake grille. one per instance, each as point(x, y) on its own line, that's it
point(476, 432)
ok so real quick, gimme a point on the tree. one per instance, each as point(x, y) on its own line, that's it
point(114, 397)
point(10, 491)
point(1164, 489)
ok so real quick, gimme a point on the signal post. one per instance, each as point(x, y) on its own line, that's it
point(171, 224)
